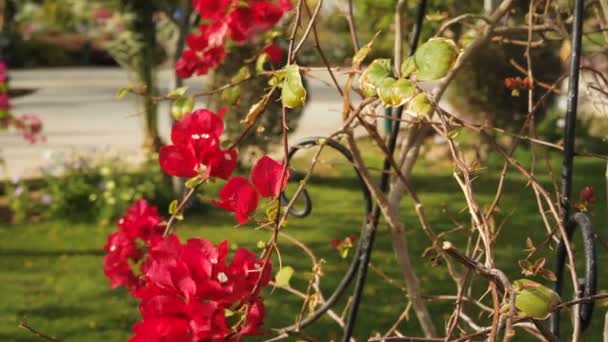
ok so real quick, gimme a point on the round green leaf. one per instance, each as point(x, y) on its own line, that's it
point(283, 277)
point(419, 105)
point(534, 300)
point(402, 91)
point(373, 76)
point(435, 58)
point(408, 67)
point(293, 93)
point(385, 91)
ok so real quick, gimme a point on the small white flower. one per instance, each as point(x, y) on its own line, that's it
point(196, 136)
point(213, 260)
point(227, 156)
point(205, 136)
point(222, 277)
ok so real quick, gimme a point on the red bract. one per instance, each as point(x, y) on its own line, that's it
point(266, 13)
point(267, 176)
point(190, 291)
point(212, 9)
point(142, 223)
point(30, 127)
point(239, 197)
point(588, 195)
point(240, 22)
point(233, 20)
point(275, 53)
point(196, 149)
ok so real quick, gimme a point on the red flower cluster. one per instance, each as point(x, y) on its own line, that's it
point(226, 20)
point(196, 151)
point(137, 230)
point(191, 294)
point(29, 126)
point(241, 197)
point(196, 147)
point(517, 83)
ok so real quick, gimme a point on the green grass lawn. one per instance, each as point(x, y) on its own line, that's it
point(51, 274)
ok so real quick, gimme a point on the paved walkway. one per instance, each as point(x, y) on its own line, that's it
point(80, 113)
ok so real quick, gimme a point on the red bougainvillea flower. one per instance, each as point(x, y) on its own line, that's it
point(4, 102)
point(239, 197)
point(266, 13)
point(275, 53)
point(196, 149)
point(190, 290)
point(138, 229)
point(267, 176)
point(141, 221)
point(588, 195)
point(30, 127)
point(226, 20)
point(212, 9)
point(343, 246)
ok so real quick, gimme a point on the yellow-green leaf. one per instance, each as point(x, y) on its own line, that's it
point(435, 58)
point(408, 67)
point(385, 91)
point(179, 92)
point(293, 94)
point(419, 105)
point(533, 299)
point(173, 207)
point(181, 106)
point(374, 75)
point(232, 95)
point(122, 92)
point(363, 52)
point(402, 91)
point(283, 277)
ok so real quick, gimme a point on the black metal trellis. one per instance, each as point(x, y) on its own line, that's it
point(358, 268)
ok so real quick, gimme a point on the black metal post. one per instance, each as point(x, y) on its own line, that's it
point(569, 139)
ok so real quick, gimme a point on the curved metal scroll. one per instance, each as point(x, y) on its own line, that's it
point(364, 237)
point(589, 286)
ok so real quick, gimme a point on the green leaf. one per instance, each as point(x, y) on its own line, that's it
point(241, 75)
point(402, 91)
point(193, 182)
point(435, 58)
point(419, 105)
point(363, 52)
point(179, 92)
point(260, 62)
point(533, 299)
point(181, 106)
point(232, 95)
point(408, 67)
point(374, 75)
point(122, 92)
point(283, 277)
point(173, 207)
point(385, 91)
point(293, 93)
